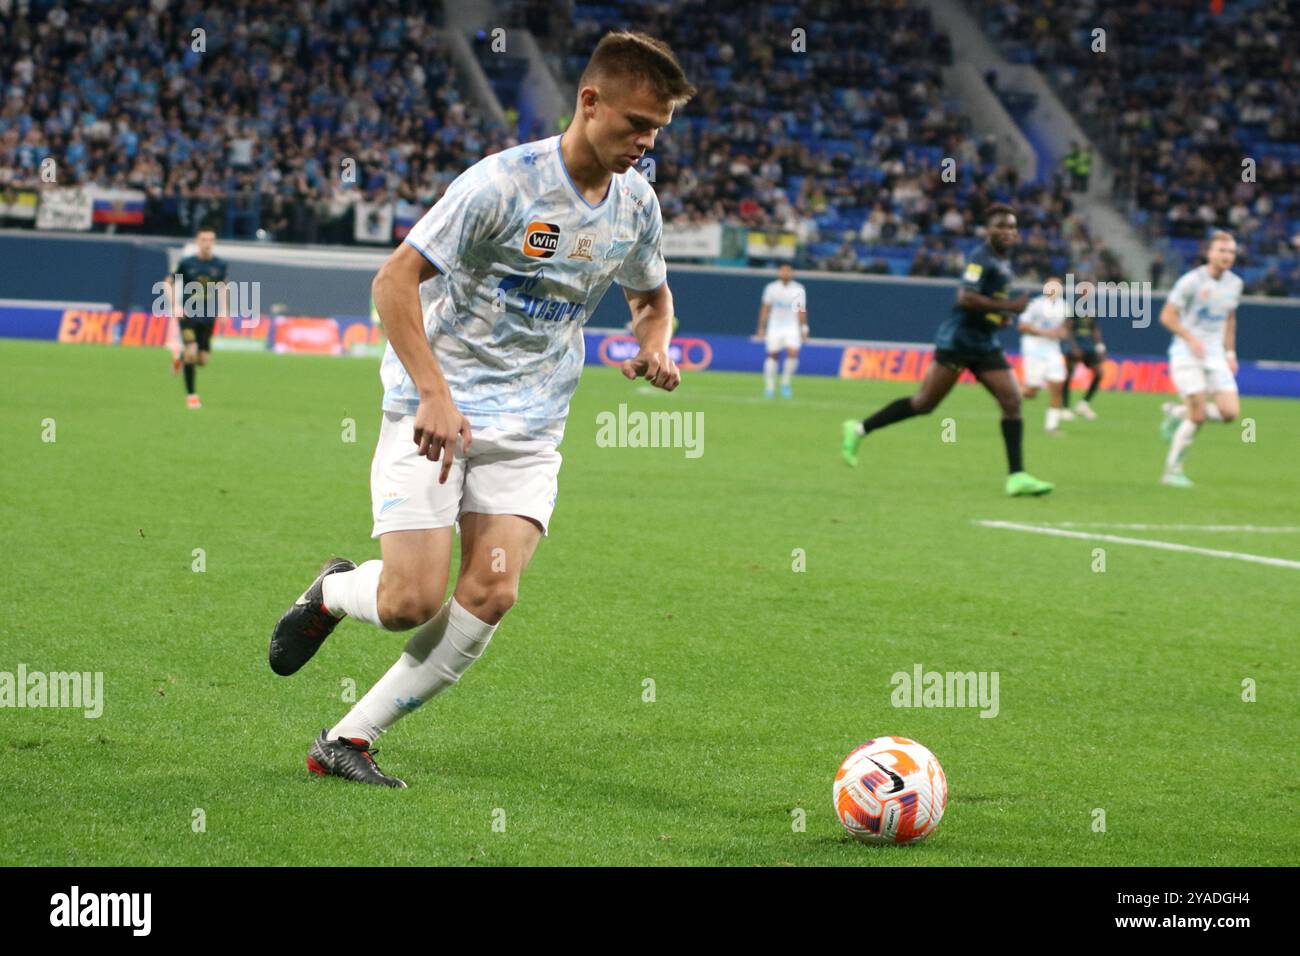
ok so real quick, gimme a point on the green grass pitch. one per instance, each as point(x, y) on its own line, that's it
point(1120, 690)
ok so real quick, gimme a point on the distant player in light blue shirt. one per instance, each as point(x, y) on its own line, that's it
point(1201, 312)
point(484, 305)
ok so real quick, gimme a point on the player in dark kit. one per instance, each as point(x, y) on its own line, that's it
point(966, 341)
point(195, 309)
point(1083, 344)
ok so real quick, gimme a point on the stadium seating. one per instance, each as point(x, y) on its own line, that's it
point(1181, 97)
point(252, 131)
point(838, 135)
point(842, 126)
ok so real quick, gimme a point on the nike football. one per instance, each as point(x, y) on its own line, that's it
point(890, 790)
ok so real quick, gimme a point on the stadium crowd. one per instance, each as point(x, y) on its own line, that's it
point(838, 136)
point(290, 112)
point(281, 116)
point(1182, 96)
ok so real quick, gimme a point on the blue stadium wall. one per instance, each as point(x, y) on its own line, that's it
point(709, 301)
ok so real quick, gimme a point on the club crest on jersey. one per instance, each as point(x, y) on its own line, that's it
point(541, 239)
point(618, 248)
point(582, 246)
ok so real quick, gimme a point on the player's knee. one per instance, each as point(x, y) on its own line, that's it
point(923, 404)
point(1196, 416)
point(489, 597)
point(405, 608)
point(203, 358)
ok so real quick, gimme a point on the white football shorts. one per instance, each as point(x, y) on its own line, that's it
point(500, 476)
point(778, 340)
point(1043, 367)
point(1193, 376)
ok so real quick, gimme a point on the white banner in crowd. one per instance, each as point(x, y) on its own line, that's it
point(373, 222)
point(65, 209)
point(692, 242)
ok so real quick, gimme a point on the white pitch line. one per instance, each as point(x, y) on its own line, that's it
point(1143, 543)
point(1252, 528)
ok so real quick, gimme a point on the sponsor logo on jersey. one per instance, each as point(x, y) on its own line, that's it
point(637, 200)
point(582, 246)
point(541, 239)
point(525, 295)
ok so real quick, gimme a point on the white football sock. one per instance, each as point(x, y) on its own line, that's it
point(438, 653)
point(769, 373)
point(1053, 417)
point(1211, 412)
point(791, 365)
point(1183, 438)
point(355, 593)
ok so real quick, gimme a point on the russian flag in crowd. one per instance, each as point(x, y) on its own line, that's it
point(405, 216)
point(122, 206)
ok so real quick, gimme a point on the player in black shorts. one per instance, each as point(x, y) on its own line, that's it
point(1083, 344)
point(196, 307)
point(966, 341)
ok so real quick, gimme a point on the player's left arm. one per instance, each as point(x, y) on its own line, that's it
point(643, 274)
point(803, 318)
point(1230, 340)
point(1096, 337)
point(1025, 324)
point(652, 324)
point(223, 300)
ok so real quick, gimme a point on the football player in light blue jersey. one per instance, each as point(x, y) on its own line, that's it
point(484, 305)
point(1201, 312)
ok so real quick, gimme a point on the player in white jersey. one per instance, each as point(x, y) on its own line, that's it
point(1042, 328)
point(484, 304)
point(782, 324)
point(1201, 312)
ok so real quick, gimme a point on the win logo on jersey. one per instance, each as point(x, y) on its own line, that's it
point(541, 239)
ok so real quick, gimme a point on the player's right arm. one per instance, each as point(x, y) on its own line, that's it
point(970, 299)
point(1026, 324)
point(474, 209)
point(1172, 312)
point(764, 309)
point(1230, 341)
point(396, 291)
point(173, 296)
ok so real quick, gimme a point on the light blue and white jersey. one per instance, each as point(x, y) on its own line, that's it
point(784, 302)
point(1203, 304)
point(524, 260)
point(1044, 315)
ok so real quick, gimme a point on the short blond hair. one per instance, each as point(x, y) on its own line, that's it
point(1220, 235)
